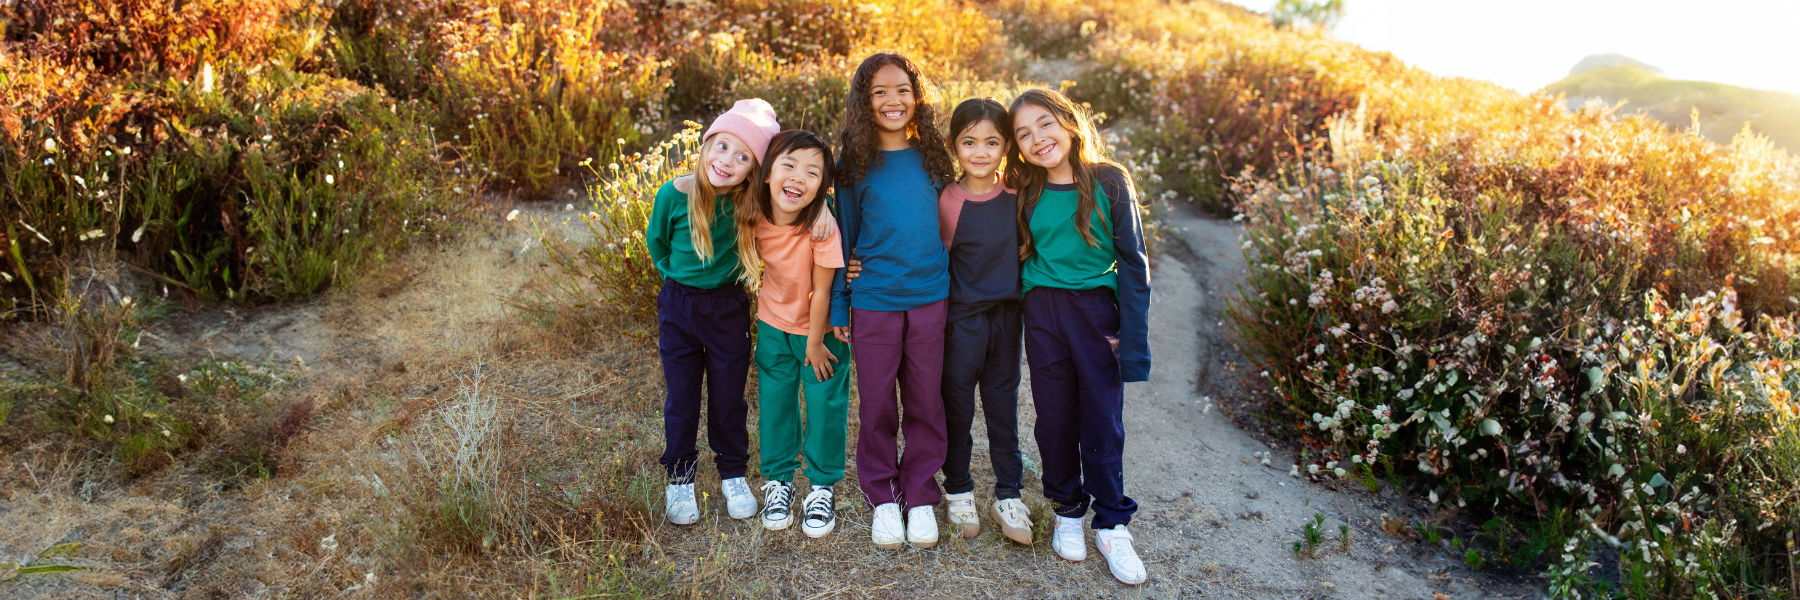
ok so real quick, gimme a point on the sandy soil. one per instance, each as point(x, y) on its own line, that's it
point(1214, 522)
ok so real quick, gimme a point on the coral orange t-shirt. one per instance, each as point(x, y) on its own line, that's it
point(788, 254)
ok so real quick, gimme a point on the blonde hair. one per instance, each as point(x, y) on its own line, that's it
point(700, 203)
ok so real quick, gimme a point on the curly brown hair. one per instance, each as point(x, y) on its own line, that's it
point(858, 139)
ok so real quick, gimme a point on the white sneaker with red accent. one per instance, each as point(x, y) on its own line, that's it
point(1115, 545)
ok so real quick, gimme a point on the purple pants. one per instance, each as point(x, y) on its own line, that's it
point(1072, 345)
point(904, 347)
point(704, 336)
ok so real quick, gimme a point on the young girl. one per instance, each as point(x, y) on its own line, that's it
point(893, 164)
point(793, 353)
point(703, 316)
point(1087, 301)
point(976, 220)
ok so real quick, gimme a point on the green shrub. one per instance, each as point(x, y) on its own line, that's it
point(260, 181)
point(1521, 358)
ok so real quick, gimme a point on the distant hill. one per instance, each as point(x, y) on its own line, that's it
point(1608, 61)
point(1723, 108)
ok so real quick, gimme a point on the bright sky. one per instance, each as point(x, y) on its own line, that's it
point(1527, 44)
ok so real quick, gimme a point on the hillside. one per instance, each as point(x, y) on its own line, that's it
point(1724, 109)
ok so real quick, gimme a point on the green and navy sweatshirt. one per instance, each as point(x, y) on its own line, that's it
point(671, 242)
point(1062, 259)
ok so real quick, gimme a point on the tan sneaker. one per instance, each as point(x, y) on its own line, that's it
point(1014, 520)
point(962, 513)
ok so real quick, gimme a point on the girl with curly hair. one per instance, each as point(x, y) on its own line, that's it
point(894, 164)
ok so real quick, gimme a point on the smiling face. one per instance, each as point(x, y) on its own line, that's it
point(1042, 139)
point(794, 179)
point(728, 160)
point(979, 148)
point(892, 97)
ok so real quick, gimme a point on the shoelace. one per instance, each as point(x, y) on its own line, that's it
point(819, 507)
point(778, 495)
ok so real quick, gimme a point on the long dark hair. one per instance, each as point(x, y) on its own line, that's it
point(759, 205)
point(975, 110)
point(862, 147)
point(1085, 156)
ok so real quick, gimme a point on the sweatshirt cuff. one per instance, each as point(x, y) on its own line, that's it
point(1135, 370)
point(840, 316)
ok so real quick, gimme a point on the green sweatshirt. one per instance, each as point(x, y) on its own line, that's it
point(1061, 259)
point(672, 247)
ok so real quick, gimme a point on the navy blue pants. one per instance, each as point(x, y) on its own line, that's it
point(704, 333)
point(981, 351)
point(1072, 345)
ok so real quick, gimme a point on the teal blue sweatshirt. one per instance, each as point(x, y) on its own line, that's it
point(890, 223)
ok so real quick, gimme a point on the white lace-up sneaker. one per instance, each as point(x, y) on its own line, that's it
point(962, 513)
point(776, 514)
point(821, 513)
point(739, 502)
point(1014, 519)
point(921, 526)
point(887, 530)
point(1069, 541)
point(1115, 545)
point(679, 502)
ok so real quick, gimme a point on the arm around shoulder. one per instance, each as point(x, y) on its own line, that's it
point(849, 220)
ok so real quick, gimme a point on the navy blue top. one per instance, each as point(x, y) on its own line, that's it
point(984, 254)
point(889, 221)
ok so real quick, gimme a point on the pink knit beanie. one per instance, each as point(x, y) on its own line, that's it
point(751, 120)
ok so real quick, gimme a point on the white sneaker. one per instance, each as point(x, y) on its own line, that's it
point(776, 514)
point(962, 513)
point(921, 526)
point(1069, 541)
point(821, 513)
point(739, 502)
point(887, 530)
point(1115, 545)
point(1014, 519)
point(679, 502)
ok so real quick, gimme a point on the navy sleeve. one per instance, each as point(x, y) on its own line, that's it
point(1134, 276)
point(849, 224)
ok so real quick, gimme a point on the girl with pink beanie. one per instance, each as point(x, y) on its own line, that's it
point(703, 314)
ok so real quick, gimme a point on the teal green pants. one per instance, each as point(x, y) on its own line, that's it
point(782, 377)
